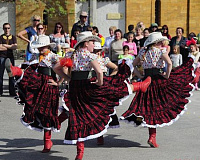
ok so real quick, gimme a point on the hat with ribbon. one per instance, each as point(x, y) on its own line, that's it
point(86, 36)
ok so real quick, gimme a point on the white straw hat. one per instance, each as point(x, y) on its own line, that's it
point(65, 45)
point(97, 45)
point(154, 38)
point(86, 36)
point(42, 41)
point(84, 14)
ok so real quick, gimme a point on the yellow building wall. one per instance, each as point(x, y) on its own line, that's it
point(174, 13)
point(194, 16)
point(67, 20)
point(24, 12)
point(143, 10)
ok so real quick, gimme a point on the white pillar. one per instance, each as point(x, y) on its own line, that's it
point(93, 13)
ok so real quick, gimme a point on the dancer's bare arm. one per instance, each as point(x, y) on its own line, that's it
point(98, 71)
point(166, 58)
point(112, 66)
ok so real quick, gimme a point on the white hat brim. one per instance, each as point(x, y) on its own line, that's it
point(35, 45)
point(146, 43)
point(89, 38)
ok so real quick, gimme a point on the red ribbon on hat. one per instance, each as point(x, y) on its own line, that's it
point(190, 42)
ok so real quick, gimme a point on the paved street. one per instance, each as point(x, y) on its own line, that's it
point(180, 141)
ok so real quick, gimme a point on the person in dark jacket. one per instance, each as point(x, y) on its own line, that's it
point(180, 40)
point(81, 24)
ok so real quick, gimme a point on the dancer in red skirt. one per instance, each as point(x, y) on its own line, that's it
point(166, 97)
point(38, 86)
point(92, 101)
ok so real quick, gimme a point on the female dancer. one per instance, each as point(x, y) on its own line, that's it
point(92, 101)
point(165, 99)
point(39, 87)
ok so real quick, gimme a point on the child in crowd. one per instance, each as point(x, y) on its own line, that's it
point(165, 46)
point(128, 57)
point(131, 44)
point(176, 57)
point(126, 51)
point(73, 40)
point(194, 51)
point(64, 49)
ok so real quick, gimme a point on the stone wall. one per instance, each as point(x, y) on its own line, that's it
point(174, 13)
point(24, 12)
point(137, 11)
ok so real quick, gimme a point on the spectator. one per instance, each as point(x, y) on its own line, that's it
point(165, 32)
point(95, 31)
point(176, 57)
point(116, 47)
point(191, 35)
point(109, 40)
point(89, 28)
point(59, 36)
point(40, 31)
point(73, 39)
point(81, 24)
point(180, 40)
point(138, 36)
point(145, 34)
point(30, 31)
point(8, 43)
point(153, 27)
point(132, 46)
point(141, 24)
point(195, 52)
point(130, 29)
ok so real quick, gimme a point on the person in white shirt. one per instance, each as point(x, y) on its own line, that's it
point(109, 40)
point(176, 57)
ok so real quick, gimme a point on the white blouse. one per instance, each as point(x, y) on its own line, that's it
point(152, 58)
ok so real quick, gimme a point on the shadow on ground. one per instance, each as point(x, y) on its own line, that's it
point(17, 149)
point(112, 141)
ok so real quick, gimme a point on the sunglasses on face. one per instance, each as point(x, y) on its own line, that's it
point(36, 20)
point(6, 28)
point(40, 28)
point(58, 27)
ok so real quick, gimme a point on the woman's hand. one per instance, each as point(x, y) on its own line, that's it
point(165, 76)
point(52, 82)
point(97, 83)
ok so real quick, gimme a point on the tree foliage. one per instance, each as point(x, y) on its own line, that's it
point(54, 8)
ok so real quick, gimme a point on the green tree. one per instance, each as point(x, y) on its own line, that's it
point(54, 8)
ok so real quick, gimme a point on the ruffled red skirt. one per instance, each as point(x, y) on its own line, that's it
point(165, 99)
point(91, 106)
point(41, 101)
